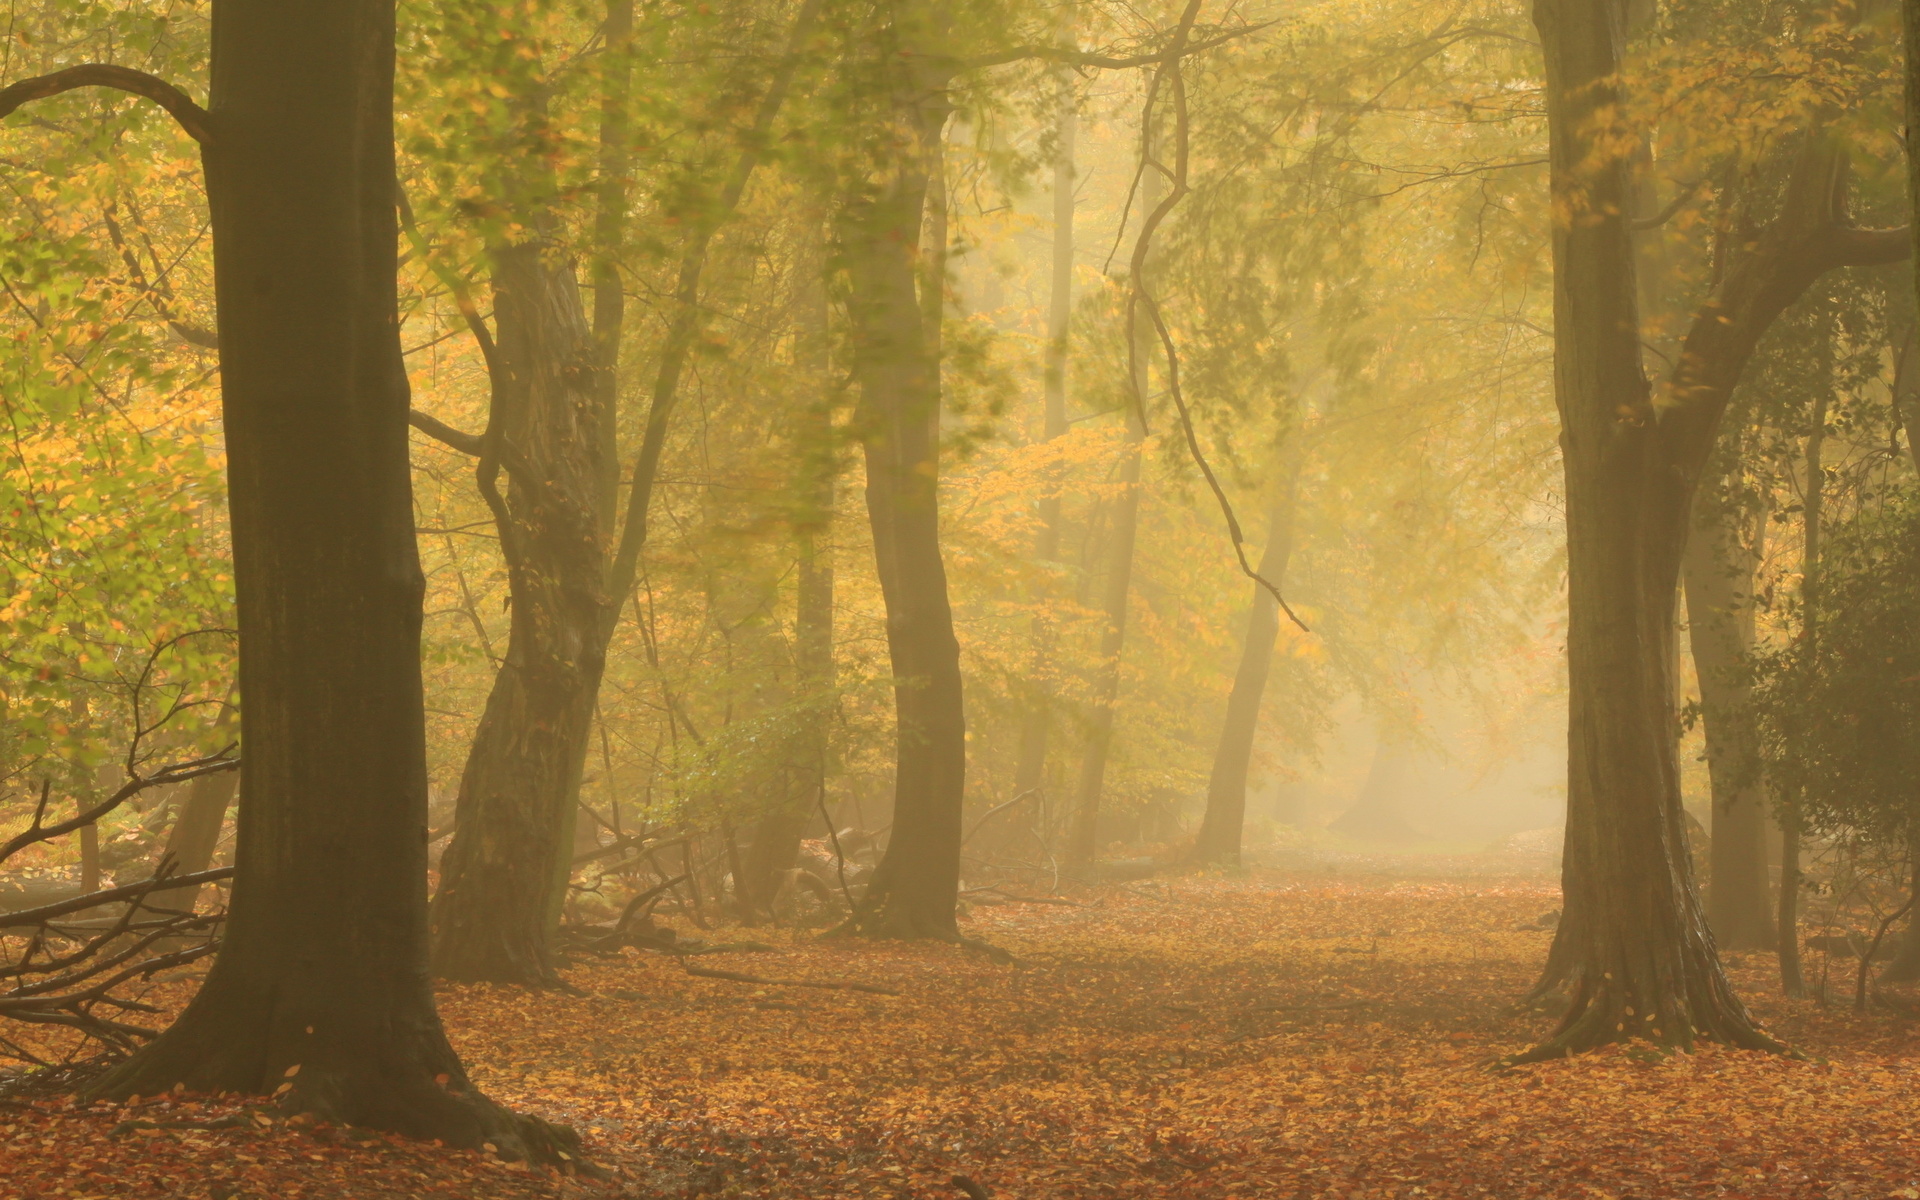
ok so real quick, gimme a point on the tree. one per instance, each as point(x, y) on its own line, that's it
point(549, 424)
point(1123, 532)
point(1718, 575)
point(897, 370)
point(1030, 771)
point(1634, 944)
point(320, 991)
point(1225, 817)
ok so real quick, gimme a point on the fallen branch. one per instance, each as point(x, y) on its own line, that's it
point(828, 985)
point(47, 912)
point(1004, 895)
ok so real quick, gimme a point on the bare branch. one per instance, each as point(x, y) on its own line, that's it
point(1067, 56)
point(130, 891)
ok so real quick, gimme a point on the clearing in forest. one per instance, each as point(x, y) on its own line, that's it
point(1304, 1034)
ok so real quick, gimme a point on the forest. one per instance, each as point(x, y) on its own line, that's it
point(1023, 599)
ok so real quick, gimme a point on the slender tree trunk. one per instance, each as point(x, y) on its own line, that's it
point(1030, 771)
point(195, 834)
point(776, 837)
point(1379, 813)
point(514, 813)
point(1226, 813)
point(914, 890)
point(1792, 826)
point(321, 984)
point(1083, 836)
point(1719, 575)
point(1906, 964)
point(1634, 942)
point(1906, 398)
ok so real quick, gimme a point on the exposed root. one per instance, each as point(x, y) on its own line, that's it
point(1601, 1016)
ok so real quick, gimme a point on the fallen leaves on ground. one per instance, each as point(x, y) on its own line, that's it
point(1267, 1036)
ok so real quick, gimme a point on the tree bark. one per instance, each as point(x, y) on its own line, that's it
point(1226, 812)
point(915, 889)
point(514, 811)
point(1719, 576)
point(321, 985)
point(1030, 769)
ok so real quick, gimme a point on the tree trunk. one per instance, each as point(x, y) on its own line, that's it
point(514, 811)
point(196, 831)
point(1083, 836)
point(1719, 575)
point(914, 891)
point(1905, 966)
point(1220, 828)
point(554, 382)
point(321, 985)
point(776, 838)
point(1082, 840)
point(1030, 771)
point(1634, 942)
point(1792, 981)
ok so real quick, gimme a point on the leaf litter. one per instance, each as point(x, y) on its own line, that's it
point(1271, 1035)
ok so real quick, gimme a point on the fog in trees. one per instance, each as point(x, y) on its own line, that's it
point(958, 597)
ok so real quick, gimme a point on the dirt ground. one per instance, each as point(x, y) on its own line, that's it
point(1321, 1031)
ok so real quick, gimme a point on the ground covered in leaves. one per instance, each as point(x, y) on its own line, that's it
point(1284, 1034)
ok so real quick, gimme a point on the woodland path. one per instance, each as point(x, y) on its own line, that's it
point(1284, 1034)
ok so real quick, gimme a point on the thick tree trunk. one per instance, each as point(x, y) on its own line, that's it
point(1634, 942)
point(498, 880)
point(1030, 771)
point(321, 984)
point(1226, 813)
point(1719, 575)
point(915, 889)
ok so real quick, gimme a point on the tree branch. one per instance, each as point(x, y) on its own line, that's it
point(179, 105)
point(1849, 247)
point(439, 431)
point(1068, 56)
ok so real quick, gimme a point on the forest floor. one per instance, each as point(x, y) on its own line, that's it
point(1316, 1032)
